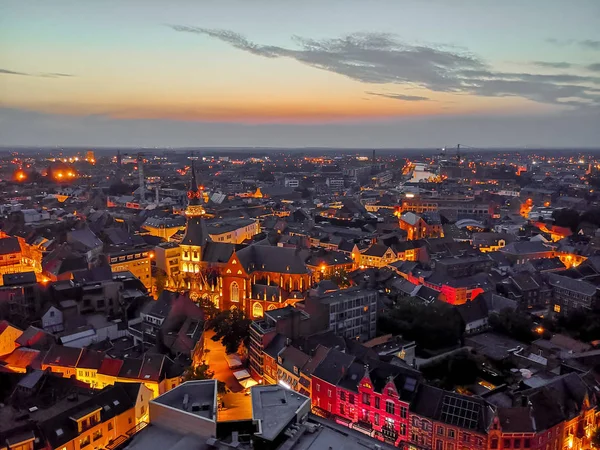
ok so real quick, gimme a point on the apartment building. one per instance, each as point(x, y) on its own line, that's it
point(350, 313)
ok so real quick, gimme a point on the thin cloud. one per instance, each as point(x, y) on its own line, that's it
point(406, 98)
point(55, 75)
point(594, 67)
point(553, 65)
point(12, 72)
point(40, 75)
point(380, 58)
point(589, 44)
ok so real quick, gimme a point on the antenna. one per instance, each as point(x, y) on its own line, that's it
point(140, 161)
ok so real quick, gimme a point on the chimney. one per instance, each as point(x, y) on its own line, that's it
point(186, 399)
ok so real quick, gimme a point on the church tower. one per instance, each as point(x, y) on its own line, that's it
point(196, 233)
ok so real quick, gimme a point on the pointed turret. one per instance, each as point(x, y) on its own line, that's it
point(195, 197)
point(196, 233)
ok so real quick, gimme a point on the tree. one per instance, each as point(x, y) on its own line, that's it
point(340, 278)
point(566, 218)
point(514, 324)
point(208, 307)
point(203, 372)
point(231, 328)
point(459, 369)
point(432, 327)
point(462, 370)
point(200, 372)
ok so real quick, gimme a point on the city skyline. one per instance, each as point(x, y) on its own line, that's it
point(340, 74)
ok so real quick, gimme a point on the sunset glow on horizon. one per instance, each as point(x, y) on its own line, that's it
point(262, 62)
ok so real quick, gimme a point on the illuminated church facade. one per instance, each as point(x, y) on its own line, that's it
point(255, 279)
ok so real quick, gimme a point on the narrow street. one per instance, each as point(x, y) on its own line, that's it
point(238, 405)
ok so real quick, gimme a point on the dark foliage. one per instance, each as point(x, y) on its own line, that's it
point(460, 369)
point(568, 218)
point(432, 327)
point(231, 328)
point(514, 324)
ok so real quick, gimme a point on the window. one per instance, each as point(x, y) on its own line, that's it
point(319, 388)
point(51, 313)
point(342, 412)
point(403, 429)
point(494, 444)
point(235, 292)
point(506, 443)
point(329, 393)
point(451, 434)
point(439, 445)
point(143, 410)
point(365, 399)
point(343, 395)
point(110, 426)
point(440, 431)
point(517, 443)
point(527, 443)
point(351, 399)
point(97, 435)
point(130, 421)
point(556, 308)
point(403, 412)
point(389, 407)
point(257, 310)
point(377, 402)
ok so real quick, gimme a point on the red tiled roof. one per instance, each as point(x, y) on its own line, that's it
point(21, 357)
point(110, 366)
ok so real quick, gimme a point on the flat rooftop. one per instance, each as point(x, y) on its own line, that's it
point(200, 398)
point(157, 438)
point(275, 407)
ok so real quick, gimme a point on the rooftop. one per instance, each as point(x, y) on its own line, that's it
point(198, 398)
point(275, 407)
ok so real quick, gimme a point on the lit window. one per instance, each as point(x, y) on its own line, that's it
point(556, 308)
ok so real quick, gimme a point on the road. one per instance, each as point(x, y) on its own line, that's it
point(238, 405)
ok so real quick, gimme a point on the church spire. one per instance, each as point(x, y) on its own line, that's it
point(194, 195)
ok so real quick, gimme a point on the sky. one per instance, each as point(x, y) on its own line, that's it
point(289, 73)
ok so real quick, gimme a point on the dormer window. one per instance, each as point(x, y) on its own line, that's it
point(279, 360)
point(295, 370)
point(234, 262)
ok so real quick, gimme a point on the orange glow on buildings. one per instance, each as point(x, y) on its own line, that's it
point(20, 175)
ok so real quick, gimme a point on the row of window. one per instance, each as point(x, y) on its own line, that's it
point(511, 443)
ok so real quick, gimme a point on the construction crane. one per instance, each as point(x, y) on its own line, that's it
point(458, 155)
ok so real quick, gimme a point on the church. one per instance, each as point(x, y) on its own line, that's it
point(255, 278)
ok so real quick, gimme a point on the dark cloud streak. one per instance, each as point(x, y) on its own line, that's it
point(380, 58)
point(588, 44)
point(594, 67)
point(39, 75)
point(553, 65)
point(406, 98)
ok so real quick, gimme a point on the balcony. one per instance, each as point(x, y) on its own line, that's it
point(363, 426)
point(261, 327)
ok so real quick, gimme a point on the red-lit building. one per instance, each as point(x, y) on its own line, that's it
point(374, 401)
point(442, 420)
